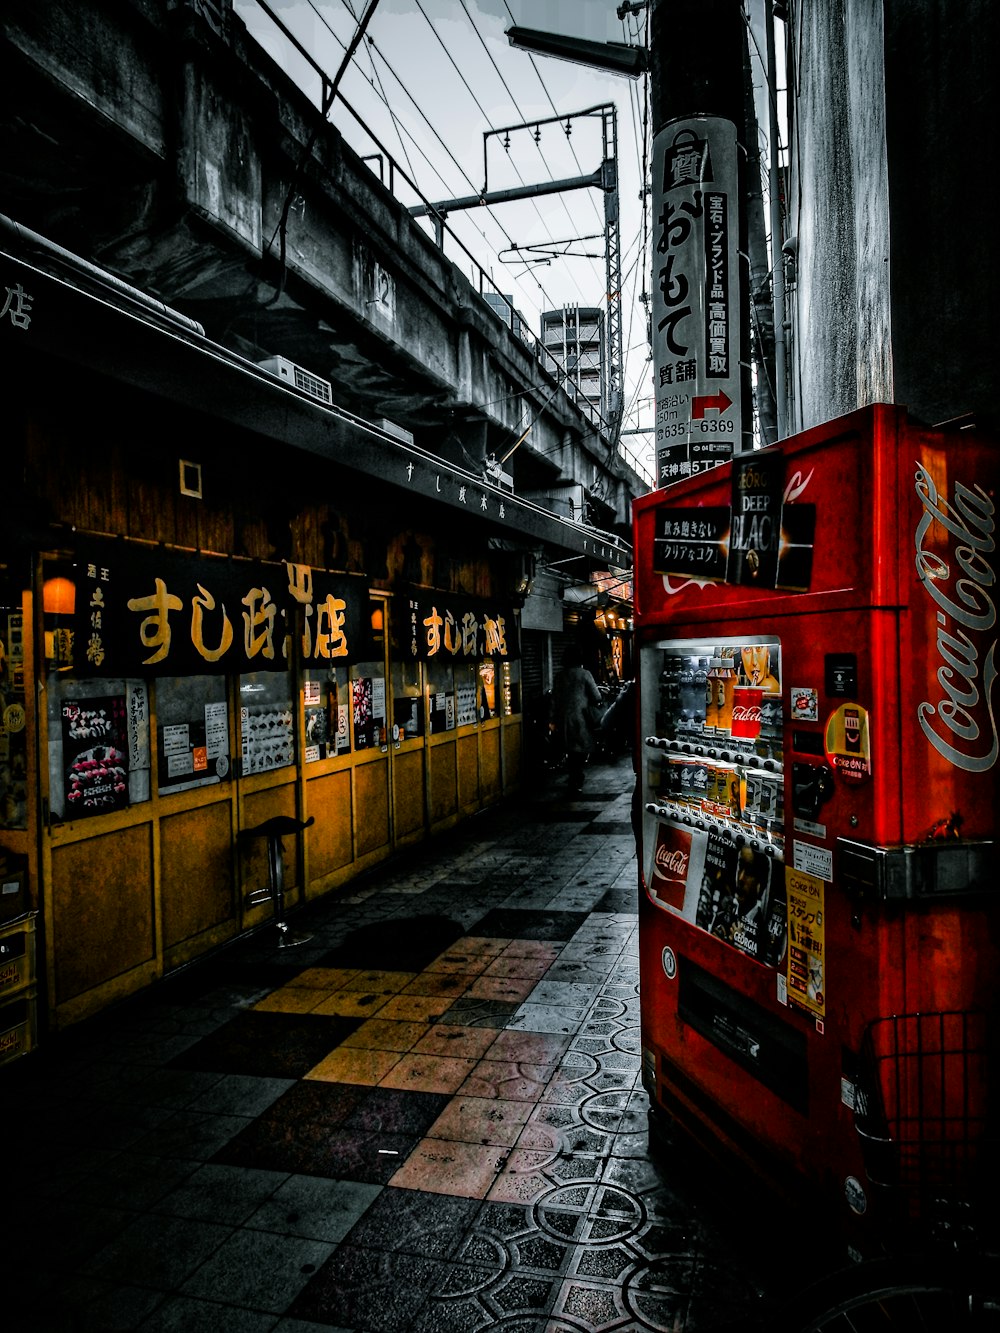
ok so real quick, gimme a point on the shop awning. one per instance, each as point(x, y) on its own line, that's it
point(95, 321)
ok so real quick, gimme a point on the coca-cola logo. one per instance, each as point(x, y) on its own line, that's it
point(961, 724)
point(746, 712)
point(671, 862)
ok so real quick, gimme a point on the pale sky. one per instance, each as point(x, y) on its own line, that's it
point(434, 77)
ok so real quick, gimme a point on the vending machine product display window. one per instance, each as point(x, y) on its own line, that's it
point(713, 788)
point(267, 730)
point(192, 732)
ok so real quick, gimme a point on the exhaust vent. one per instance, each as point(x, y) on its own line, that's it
point(302, 379)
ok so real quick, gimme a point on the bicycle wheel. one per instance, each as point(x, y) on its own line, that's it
point(892, 1295)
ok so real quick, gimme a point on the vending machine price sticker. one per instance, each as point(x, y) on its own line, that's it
point(812, 860)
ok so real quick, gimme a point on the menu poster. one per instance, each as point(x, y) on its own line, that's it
point(379, 712)
point(194, 753)
point(364, 719)
point(95, 755)
point(466, 705)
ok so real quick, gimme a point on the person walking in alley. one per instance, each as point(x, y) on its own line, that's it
point(575, 694)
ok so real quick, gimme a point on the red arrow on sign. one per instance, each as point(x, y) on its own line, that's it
point(720, 401)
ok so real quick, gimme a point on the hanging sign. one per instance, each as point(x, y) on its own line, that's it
point(764, 538)
point(146, 611)
point(441, 626)
point(696, 296)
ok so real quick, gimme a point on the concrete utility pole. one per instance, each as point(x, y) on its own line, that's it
point(701, 315)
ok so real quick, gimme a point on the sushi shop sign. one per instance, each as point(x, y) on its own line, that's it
point(153, 612)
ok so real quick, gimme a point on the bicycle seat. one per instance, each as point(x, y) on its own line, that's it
point(276, 827)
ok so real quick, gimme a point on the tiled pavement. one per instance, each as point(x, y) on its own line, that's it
point(426, 1118)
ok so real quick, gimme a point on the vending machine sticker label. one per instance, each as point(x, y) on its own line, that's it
point(812, 860)
point(848, 742)
point(804, 704)
point(806, 941)
point(691, 543)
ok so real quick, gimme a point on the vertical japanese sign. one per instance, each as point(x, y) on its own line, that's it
point(696, 296)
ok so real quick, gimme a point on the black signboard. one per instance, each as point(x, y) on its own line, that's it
point(446, 627)
point(758, 482)
point(148, 611)
point(691, 542)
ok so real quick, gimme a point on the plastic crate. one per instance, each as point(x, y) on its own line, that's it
point(17, 955)
point(18, 1026)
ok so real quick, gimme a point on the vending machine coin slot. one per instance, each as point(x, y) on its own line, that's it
point(812, 786)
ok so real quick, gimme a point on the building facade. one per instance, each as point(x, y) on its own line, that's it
point(252, 560)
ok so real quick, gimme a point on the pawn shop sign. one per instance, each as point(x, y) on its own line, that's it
point(696, 296)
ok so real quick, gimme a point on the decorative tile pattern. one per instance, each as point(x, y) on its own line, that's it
point(431, 1120)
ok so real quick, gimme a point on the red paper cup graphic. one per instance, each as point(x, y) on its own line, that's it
point(671, 861)
point(746, 712)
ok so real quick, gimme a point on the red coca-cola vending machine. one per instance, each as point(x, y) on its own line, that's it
point(819, 929)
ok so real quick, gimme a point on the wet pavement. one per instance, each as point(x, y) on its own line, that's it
point(428, 1117)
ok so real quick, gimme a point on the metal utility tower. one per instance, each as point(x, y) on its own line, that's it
point(604, 179)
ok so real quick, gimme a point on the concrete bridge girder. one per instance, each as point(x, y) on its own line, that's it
point(159, 141)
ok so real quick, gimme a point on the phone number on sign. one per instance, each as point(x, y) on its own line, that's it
point(707, 426)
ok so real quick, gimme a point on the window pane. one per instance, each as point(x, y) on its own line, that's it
point(327, 713)
point(440, 696)
point(192, 732)
point(267, 733)
point(407, 713)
